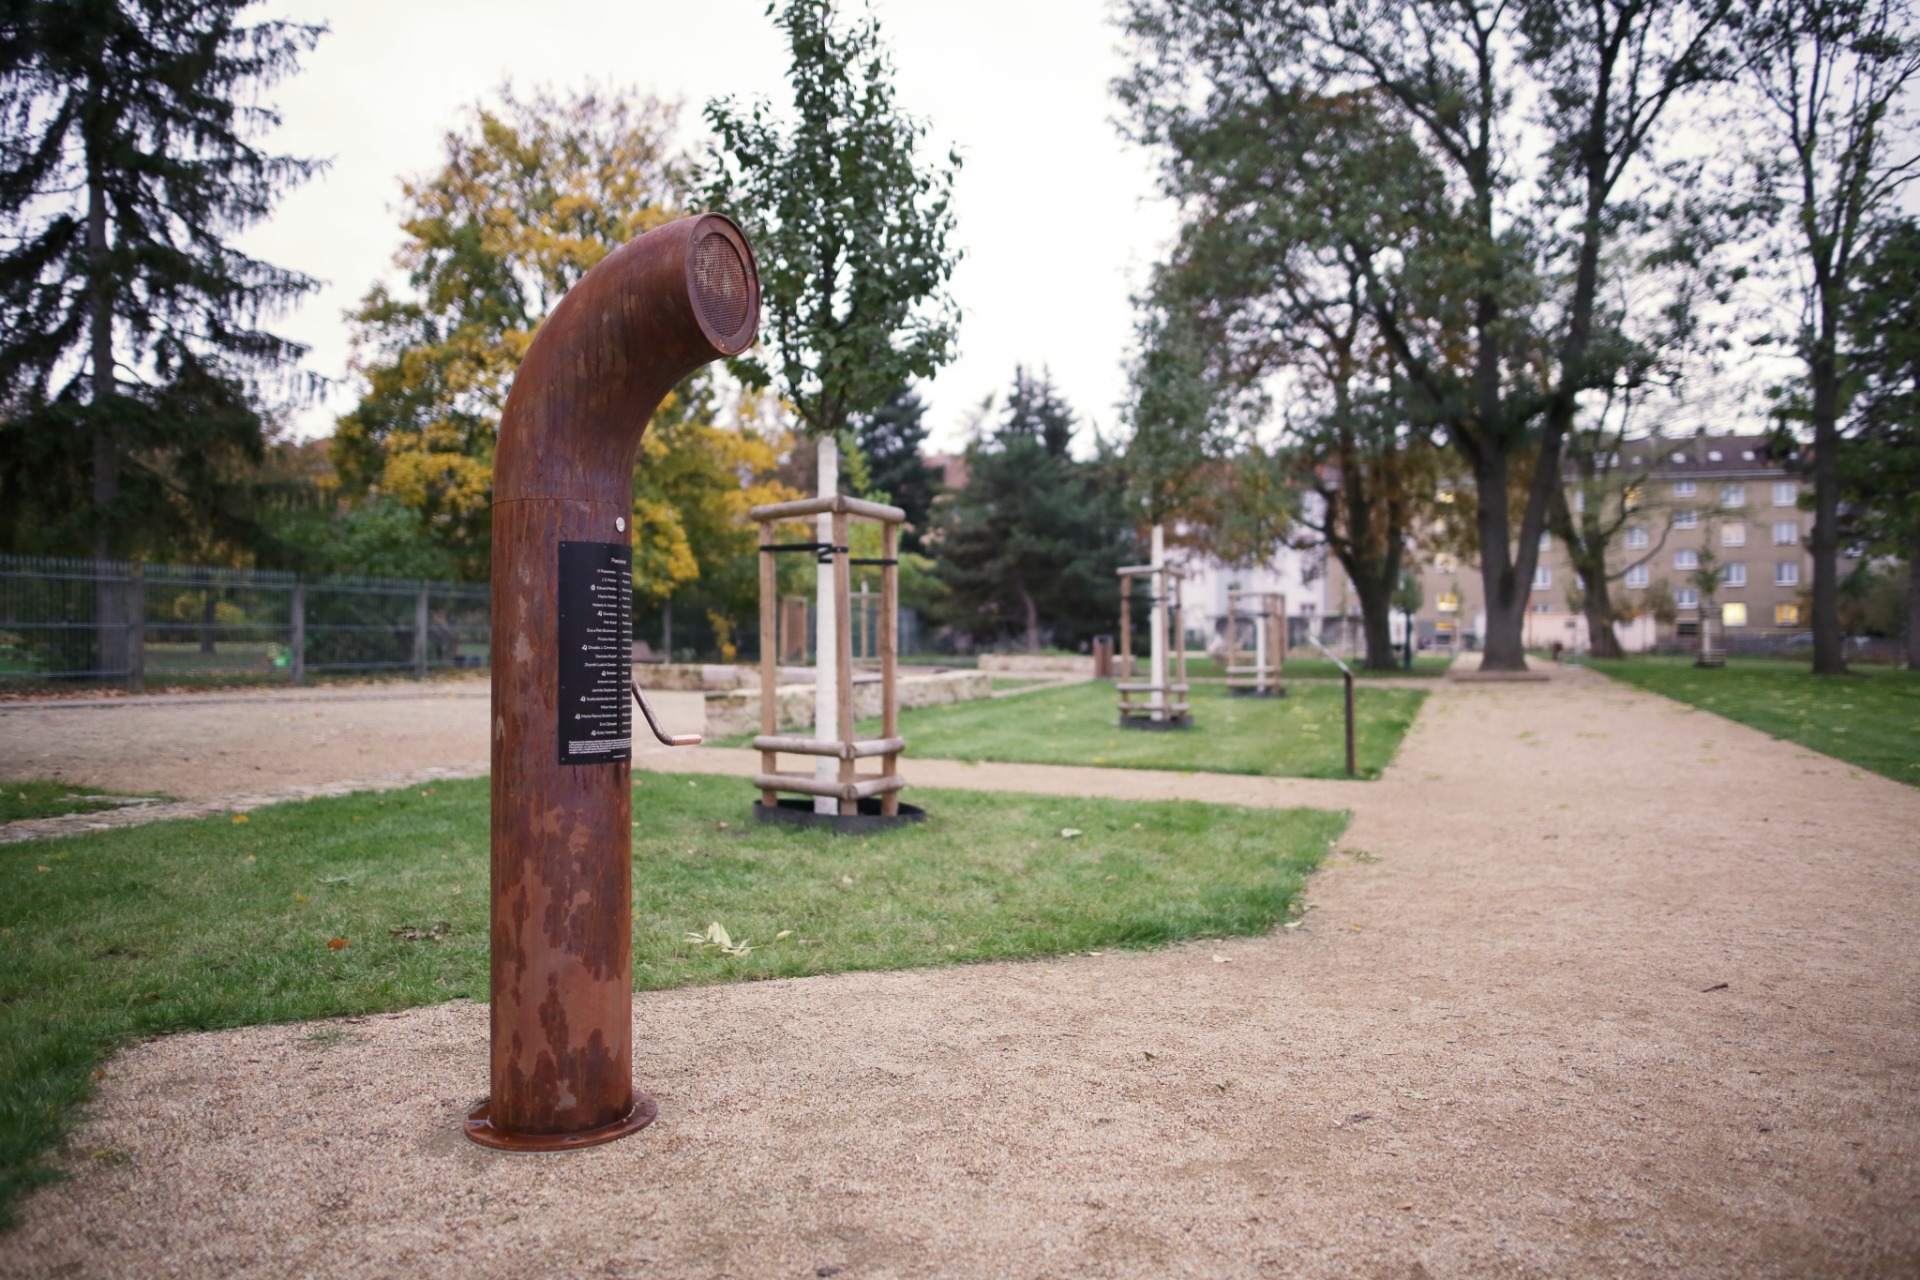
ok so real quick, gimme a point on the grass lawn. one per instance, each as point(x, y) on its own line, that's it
point(38, 799)
point(1002, 684)
point(1870, 718)
point(186, 926)
point(1309, 665)
point(1300, 735)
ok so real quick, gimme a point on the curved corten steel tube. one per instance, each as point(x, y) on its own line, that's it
point(562, 970)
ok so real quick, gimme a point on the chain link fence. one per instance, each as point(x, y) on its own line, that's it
point(140, 624)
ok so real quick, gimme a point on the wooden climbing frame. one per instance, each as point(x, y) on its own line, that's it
point(1154, 703)
point(1259, 677)
point(849, 787)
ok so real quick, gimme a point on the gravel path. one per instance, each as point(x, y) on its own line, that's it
point(1601, 986)
point(238, 750)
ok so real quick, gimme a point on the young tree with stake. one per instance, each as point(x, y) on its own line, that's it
point(850, 229)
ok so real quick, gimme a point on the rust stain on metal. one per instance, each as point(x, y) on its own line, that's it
point(648, 315)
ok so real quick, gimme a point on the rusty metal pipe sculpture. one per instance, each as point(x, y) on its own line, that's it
point(648, 315)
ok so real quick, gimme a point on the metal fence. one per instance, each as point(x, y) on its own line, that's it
point(134, 624)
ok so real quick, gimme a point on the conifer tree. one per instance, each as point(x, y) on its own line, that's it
point(890, 439)
point(1028, 549)
point(130, 327)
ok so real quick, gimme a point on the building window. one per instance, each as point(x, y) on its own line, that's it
point(1542, 578)
point(1786, 533)
point(1683, 489)
point(1686, 598)
point(1734, 535)
point(1580, 500)
point(1636, 539)
point(1685, 559)
point(1630, 500)
point(1733, 615)
point(1785, 493)
point(1733, 495)
point(1786, 615)
point(1713, 455)
point(1449, 602)
point(1786, 573)
point(1680, 458)
point(1687, 518)
point(1546, 541)
point(1637, 576)
point(1733, 575)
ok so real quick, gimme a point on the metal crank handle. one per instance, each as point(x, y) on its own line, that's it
point(671, 740)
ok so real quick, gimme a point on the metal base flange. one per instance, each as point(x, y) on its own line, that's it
point(480, 1129)
point(1257, 693)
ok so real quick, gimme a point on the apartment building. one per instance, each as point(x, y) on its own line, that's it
point(1723, 497)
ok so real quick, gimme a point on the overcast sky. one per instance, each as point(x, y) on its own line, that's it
point(1056, 214)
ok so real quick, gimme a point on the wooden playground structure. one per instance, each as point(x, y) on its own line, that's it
point(862, 801)
point(1160, 701)
point(1261, 677)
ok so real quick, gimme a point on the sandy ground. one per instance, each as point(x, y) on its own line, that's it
point(1602, 986)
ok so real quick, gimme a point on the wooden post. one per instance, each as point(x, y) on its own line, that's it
point(1279, 603)
point(769, 656)
point(1176, 645)
point(843, 608)
point(297, 635)
point(889, 658)
point(1126, 629)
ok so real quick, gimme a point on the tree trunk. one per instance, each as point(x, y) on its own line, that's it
point(1502, 644)
point(1596, 602)
point(106, 453)
point(1913, 602)
point(109, 621)
point(1033, 619)
point(1376, 623)
point(1828, 660)
point(1601, 640)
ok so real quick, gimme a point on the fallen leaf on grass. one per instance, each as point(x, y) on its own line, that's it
point(37, 867)
point(784, 933)
point(716, 935)
point(239, 818)
point(338, 944)
point(1411, 1093)
point(1218, 959)
point(415, 933)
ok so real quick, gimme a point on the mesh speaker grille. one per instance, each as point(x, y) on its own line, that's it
point(720, 284)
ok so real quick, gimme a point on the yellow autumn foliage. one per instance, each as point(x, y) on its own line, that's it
point(535, 191)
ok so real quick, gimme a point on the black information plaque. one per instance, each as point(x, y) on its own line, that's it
point(596, 641)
